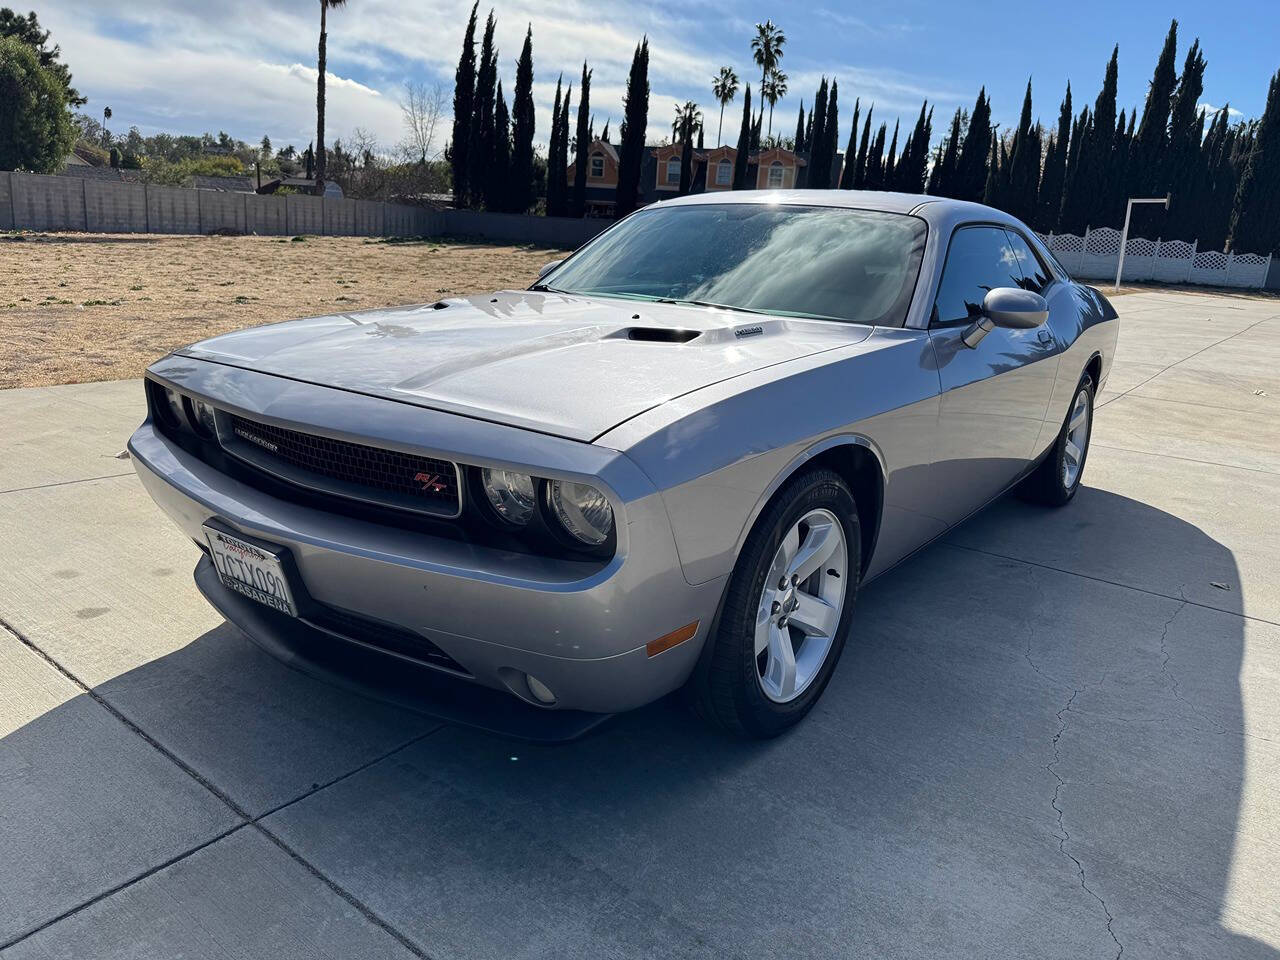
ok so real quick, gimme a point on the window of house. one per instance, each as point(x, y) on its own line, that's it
point(775, 174)
point(597, 165)
point(724, 173)
point(673, 170)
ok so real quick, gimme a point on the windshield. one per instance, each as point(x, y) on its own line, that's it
point(830, 263)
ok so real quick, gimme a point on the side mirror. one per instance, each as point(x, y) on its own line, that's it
point(548, 267)
point(1008, 307)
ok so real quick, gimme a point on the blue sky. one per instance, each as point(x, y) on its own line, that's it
point(248, 66)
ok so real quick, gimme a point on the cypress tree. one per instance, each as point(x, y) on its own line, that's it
point(913, 178)
point(1101, 171)
point(1049, 202)
point(799, 144)
point(744, 144)
point(1215, 217)
point(481, 145)
point(1090, 190)
point(563, 150)
point(1187, 170)
point(1151, 145)
point(635, 109)
point(582, 143)
point(522, 192)
point(971, 171)
point(497, 192)
point(825, 154)
point(946, 167)
point(1255, 219)
point(818, 137)
point(851, 149)
point(993, 191)
point(464, 94)
point(555, 165)
point(874, 177)
point(1024, 166)
point(1072, 188)
point(808, 132)
point(860, 170)
point(935, 173)
point(888, 179)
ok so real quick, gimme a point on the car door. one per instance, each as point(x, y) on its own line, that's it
point(994, 395)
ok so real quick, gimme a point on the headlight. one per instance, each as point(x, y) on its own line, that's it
point(582, 510)
point(205, 422)
point(173, 399)
point(510, 494)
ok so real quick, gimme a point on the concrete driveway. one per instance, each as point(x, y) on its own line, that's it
point(1055, 734)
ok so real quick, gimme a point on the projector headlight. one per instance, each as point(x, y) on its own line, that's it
point(510, 494)
point(582, 510)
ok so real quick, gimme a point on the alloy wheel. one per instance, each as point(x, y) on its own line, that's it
point(800, 606)
point(1077, 439)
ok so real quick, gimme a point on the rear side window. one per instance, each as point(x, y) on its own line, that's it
point(979, 259)
point(1035, 274)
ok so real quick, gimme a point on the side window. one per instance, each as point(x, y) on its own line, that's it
point(979, 259)
point(1036, 275)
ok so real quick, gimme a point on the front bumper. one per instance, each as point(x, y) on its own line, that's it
point(579, 629)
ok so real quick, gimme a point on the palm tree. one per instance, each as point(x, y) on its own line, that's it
point(320, 66)
point(688, 119)
point(724, 88)
point(766, 48)
point(773, 90)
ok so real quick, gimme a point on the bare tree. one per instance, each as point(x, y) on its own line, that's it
point(422, 108)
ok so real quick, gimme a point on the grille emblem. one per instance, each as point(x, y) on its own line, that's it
point(430, 481)
point(254, 438)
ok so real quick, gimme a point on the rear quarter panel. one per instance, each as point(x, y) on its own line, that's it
point(1089, 330)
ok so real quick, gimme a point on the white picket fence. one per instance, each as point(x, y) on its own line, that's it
point(1095, 256)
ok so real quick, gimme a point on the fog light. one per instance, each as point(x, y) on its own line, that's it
point(541, 692)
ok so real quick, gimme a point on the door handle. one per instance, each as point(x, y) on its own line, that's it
point(1044, 336)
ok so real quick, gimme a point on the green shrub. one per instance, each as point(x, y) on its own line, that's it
point(35, 128)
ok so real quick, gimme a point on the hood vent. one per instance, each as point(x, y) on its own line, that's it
point(660, 334)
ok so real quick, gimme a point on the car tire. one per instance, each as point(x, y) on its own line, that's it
point(744, 690)
point(1055, 481)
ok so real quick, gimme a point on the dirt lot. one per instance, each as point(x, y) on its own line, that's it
point(80, 307)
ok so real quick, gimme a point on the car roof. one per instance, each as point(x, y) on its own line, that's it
point(935, 209)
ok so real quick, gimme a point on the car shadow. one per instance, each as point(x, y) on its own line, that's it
point(1011, 760)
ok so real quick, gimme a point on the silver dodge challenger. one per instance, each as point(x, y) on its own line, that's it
point(668, 464)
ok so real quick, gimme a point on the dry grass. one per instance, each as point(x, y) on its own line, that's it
point(81, 307)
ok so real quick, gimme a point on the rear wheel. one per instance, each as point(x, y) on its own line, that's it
point(1055, 481)
point(787, 611)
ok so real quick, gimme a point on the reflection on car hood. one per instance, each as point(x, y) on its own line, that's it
point(563, 364)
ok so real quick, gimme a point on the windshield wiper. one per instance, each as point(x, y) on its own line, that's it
point(707, 303)
point(545, 288)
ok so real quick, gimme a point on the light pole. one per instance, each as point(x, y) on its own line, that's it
point(1124, 234)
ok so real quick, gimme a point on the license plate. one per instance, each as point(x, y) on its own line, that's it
point(248, 569)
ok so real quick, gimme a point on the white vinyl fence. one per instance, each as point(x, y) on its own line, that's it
point(1096, 255)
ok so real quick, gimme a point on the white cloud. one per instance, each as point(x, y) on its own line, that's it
point(1210, 109)
point(246, 65)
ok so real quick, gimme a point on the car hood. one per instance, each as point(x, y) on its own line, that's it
point(568, 365)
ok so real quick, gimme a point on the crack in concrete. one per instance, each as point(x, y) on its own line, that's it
point(1063, 835)
point(1167, 655)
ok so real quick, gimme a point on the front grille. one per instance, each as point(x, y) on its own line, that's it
point(401, 480)
point(384, 636)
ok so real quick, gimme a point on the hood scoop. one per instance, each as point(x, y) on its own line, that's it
point(658, 334)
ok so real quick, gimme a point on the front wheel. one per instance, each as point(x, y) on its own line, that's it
point(1055, 481)
point(787, 611)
